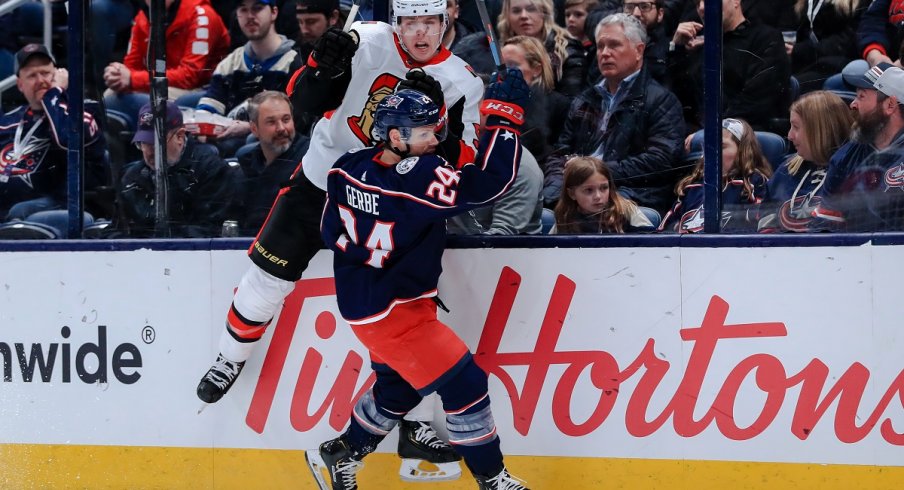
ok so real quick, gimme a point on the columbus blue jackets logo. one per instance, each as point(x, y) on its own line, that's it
point(894, 177)
point(13, 165)
point(406, 165)
point(796, 214)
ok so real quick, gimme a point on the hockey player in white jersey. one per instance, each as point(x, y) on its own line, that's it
point(346, 76)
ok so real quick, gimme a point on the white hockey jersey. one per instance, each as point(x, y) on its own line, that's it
point(377, 67)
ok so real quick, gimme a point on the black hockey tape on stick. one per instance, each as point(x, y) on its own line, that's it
point(491, 37)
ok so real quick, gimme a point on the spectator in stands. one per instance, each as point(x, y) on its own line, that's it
point(517, 212)
point(270, 164)
point(285, 23)
point(200, 186)
point(111, 21)
point(756, 70)
point(825, 39)
point(196, 40)
point(820, 125)
point(576, 20)
point(656, 52)
point(628, 120)
point(880, 33)
point(865, 177)
point(590, 203)
point(265, 63)
point(457, 30)
point(533, 18)
point(34, 139)
point(549, 109)
point(745, 171)
point(314, 18)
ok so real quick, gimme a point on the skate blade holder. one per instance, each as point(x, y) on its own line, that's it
point(319, 469)
point(418, 470)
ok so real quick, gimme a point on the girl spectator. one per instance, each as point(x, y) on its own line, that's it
point(590, 204)
point(820, 124)
point(549, 109)
point(744, 174)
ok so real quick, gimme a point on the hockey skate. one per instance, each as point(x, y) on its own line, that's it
point(502, 481)
point(218, 379)
point(333, 466)
point(425, 457)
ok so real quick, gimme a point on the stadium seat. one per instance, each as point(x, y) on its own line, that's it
point(26, 230)
point(775, 148)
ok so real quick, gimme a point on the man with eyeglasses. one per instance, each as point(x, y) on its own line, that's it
point(35, 136)
point(265, 62)
point(657, 50)
point(200, 186)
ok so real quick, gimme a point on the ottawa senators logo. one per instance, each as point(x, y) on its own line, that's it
point(362, 124)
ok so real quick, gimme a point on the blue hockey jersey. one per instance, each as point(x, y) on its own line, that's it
point(738, 210)
point(386, 223)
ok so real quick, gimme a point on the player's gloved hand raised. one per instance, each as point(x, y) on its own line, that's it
point(418, 79)
point(507, 97)
point(333, 53)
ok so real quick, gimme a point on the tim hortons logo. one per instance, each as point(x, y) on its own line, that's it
point(767, 371)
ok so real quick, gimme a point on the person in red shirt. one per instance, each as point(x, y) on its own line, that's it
point(196, 41)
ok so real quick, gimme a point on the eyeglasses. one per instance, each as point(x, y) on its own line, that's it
point(643, 6)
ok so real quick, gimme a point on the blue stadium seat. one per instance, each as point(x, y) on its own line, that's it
point(775, 148)
point(25, 230)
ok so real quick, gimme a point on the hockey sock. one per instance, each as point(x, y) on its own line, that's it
point(472, 430)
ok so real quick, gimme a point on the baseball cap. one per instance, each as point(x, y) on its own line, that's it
point(325, 7)
point(145, 133)
point(30, 50)
point(860, 75)
point(891, 83)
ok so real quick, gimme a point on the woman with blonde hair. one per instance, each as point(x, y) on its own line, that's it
point(745, 171)
point(549, 109)
point(820, 124)
point(590, 203)
point(531, 18)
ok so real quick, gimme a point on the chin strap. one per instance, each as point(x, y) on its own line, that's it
point(401, 153)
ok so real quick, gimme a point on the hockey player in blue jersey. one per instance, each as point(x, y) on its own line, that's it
point(385, 222)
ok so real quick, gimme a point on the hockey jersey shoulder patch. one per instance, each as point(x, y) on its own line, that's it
point(406, 165)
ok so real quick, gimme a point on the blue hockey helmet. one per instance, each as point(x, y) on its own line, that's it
point(405, 110)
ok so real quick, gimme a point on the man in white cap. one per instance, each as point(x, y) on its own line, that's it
point(871, 163)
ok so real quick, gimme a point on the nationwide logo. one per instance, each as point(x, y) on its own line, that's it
point(91, 360)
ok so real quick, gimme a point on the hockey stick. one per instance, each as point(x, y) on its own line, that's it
point(352, 13)
point(491, 36)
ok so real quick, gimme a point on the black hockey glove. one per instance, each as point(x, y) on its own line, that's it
point(507, 98)
point(418, 79)
point(333, 53)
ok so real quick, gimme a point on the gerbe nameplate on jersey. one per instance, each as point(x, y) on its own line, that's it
point(362, 201)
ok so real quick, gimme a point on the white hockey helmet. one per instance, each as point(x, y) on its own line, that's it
point(415, 8)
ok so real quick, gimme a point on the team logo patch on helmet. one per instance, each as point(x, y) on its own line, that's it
point(393, 101)
point(406, 165)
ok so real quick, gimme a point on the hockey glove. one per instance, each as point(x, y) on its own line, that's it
point(506, 97)
point(417, 79)
point(332, 55)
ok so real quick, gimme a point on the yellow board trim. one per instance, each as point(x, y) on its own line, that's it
point(26, 466)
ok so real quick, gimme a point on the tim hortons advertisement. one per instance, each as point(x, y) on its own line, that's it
point(772, 354)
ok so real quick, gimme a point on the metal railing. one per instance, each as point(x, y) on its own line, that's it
point(11, 5)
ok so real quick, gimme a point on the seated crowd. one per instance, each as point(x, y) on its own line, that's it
point(812, 124)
